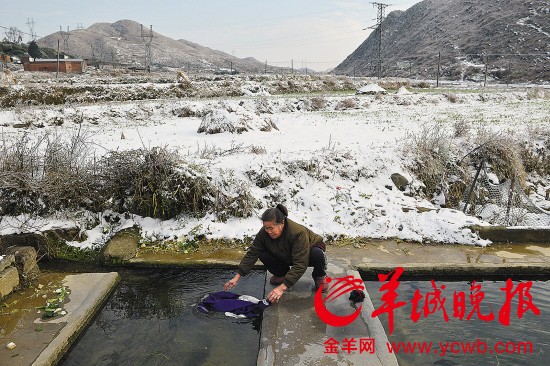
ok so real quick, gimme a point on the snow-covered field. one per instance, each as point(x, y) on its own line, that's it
point(329, 159)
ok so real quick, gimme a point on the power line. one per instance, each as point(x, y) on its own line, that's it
point(8, 28)
point(279, 38)
point(264, 21)
point(293, 44)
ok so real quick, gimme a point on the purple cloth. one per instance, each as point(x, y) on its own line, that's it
point(229, 302)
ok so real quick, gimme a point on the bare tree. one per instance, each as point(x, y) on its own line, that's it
point(93, 46)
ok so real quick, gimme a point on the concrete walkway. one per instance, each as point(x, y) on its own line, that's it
point(293, 334)
point(88, 291)
point(42, 342)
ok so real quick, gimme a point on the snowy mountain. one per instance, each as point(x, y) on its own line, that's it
point(462, 31)
point(122, 42)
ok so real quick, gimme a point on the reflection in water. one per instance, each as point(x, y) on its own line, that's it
point(433, 328)
point(151, 319)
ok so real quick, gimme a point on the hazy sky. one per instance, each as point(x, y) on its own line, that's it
point(320, 32)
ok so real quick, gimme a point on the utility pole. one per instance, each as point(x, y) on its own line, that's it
point(486, 62)
point(379, 19)
point(509, 74)
point(265, 70)
point(292, 66)
point(438, 66)
point(57, 72)
point(231, 62)
point(147, 40)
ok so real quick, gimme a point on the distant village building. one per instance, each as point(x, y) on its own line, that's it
point(5, 58)
point(50, 65)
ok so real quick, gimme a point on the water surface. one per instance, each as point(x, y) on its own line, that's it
point(151, 319)
point(433, 328)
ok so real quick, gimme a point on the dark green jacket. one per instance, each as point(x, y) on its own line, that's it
point(292, 247)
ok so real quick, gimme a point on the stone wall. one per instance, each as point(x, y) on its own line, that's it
point(9, 277)
point(18, 266)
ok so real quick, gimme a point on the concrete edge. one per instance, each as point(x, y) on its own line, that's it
point(57, 348)
point(266, 354)
point(136, 262)
point(204, 263)
point(375, 328)
point(503, 234)
point(450, 270)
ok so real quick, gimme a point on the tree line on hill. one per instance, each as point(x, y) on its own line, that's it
point(20, 49)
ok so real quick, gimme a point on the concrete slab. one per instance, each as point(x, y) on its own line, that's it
point(458, 270)
point(43, 342)
point(293, 334)
point(87, 291)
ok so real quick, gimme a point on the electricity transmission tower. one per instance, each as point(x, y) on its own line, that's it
point(147, 40)
point(378, 27)
point(65, 36)
point(31, 23)
point(79, 26)
point(13, 34)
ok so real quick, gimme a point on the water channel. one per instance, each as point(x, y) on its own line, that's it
point(530, 329)
point(151, 319)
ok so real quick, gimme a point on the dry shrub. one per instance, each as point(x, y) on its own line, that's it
point(535, 150)
point(259, 150)
point(348, 103)
point(451, 97)
point(431, 153)
point(316, 103)
point(149, 182)
point(54, 174)
point(49, 174)
point(421, 85)
point(461, 128)
point(538, 93)
point(7, 78)
point(501, 152)
point(394, 84)
point(185, 111)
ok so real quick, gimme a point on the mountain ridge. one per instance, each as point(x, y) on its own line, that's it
point(121, 42)
point(463, 31)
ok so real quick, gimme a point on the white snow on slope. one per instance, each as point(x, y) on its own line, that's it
point(333, 166)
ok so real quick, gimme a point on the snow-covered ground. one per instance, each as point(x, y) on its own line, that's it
point(329, 159)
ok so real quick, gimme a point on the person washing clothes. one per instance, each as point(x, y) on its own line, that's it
point(286, 249)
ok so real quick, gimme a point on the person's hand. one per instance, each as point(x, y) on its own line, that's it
point(276, 293)
point(232, 283)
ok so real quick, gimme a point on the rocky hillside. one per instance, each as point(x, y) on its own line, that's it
point(463, 31)
point(121, 42)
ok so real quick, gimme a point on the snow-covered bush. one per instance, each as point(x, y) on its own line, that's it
point(236, 120)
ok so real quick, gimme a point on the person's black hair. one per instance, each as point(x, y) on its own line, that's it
point(277, 214)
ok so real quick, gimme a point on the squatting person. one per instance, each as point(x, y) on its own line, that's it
point(281, 244)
